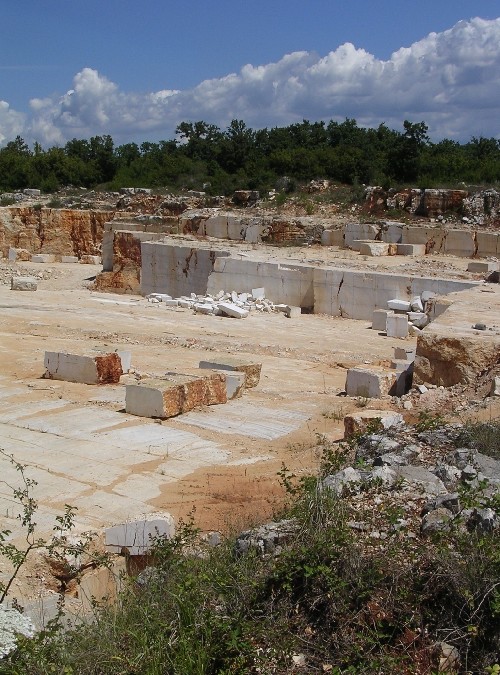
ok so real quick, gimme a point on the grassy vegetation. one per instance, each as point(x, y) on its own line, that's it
point(333, 599)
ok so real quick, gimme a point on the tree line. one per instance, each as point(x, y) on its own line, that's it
point(220, 161)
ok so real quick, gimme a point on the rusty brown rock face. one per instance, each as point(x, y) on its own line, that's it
point(109, 368)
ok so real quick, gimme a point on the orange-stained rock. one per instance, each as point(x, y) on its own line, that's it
point(58, 231)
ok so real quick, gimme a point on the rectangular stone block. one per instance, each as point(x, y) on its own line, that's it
point(397, 326)
point(235, 383)
point(371, 382)
point(379, 318)
point(174, 395)
point(418, 319)
point(374, 248)
point(93, 369)
point(90, 260)
point(482, 267)
point(399, 305)
point(69, 259)
point(488, 243)
point(138, 537)
point(357, 423)
point(411, 249)
point(250, 368)
point(460, 243)
point(23, 284)
point(43, 258)
point(232, 310)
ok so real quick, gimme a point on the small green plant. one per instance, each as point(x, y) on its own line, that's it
point(428, 421)
point(482, 436)
point(336, 414)
point(7, 201)
point(54, 203)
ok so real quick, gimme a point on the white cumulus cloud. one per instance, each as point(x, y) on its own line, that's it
point(451, 80)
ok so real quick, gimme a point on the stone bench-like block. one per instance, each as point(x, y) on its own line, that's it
point(397, 326)
point(232, 310)
point(482, 267)
point(43, 258)
point(93, 369)
point(174, 395)
point(138, 537)
point(371, 382)
point(410, 249)
point(374, 248)
point(69, 259)
point(379, 320)
point(250, 368)
point(377, 420)
point(23, 284)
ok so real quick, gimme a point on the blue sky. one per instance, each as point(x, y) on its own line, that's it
point(73, 68)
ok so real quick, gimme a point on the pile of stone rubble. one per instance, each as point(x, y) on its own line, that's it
point(231, 304)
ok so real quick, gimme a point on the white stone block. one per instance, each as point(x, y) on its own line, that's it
point(94, 369)
point(69, 258)
point(371, 382)
point(137, 537)
point(374, 248)
point(171, 303)
point(419, 319)
point(411, 249)
point(23, 284)
point(399, 305)
point(495, 387)
point(126, 359)
point(12, 255)
point(427, 295)
point(379, 319)
point(232, 310)
point(204, 308)
point(397, 326)
point(258, 293)
point(416, 304)
point(185, 304)
point(43, 258)
point(482, 267)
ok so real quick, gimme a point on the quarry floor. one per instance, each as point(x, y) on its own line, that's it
point(219, 464)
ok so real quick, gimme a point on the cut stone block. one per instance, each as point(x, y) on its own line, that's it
point(90, 259)
point(495, 387)
point(176, 394)
point(373, 248)
point(258, 293)
point(397, 326)
point(126, 360)
point(376, 420)
point(332, 238)
point(232, 310)
point(399, 305)
point(416, 304)
point(137, 537)
point(482, 267)
point(235, 383)
point(250, 368)
point(293, 312)
point(43, 258)
point(169, 302)
point(371, 382)
point(94, 369)
point(379, 320)
point(23, 284)
point(69, 259)
point(411, 249)
point(419, 319)
point(19, 254)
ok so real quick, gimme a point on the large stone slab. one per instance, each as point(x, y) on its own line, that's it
point(93, 369)
point(164, 398)
point(23, 284)
point(374, 420)
point(449, 359)
point(373, 382)
point(250, 368)
point(139, 536)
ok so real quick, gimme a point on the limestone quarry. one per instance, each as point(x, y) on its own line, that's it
point(162, 356)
